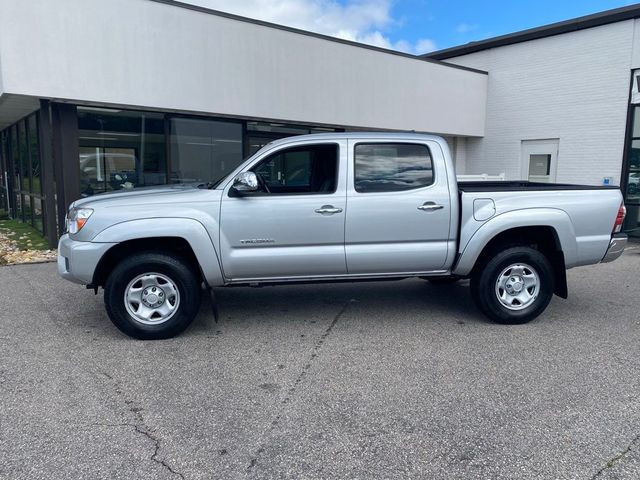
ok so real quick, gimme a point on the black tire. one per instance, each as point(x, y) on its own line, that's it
point(442, 280)
point(484, 284)
point(182, 275)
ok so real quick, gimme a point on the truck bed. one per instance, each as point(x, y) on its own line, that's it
point(522, 186)
point(582, 216)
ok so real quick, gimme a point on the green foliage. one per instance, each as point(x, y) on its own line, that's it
point(24, 235)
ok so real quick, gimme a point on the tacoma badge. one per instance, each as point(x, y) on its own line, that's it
point(258, 240)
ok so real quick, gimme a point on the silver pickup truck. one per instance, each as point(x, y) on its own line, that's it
point(332, 207)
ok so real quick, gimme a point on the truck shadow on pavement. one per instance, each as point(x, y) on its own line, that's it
point(375, 302)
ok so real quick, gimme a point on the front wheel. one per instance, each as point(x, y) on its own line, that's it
point(515, 286)
point(152, 296)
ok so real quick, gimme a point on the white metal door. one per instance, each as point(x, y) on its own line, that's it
point(540, 160)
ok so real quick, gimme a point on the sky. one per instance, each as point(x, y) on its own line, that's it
point(412, 26)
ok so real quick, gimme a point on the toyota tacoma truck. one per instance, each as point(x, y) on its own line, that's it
point(335, 207)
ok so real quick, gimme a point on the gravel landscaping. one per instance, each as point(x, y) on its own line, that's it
point(20, 243)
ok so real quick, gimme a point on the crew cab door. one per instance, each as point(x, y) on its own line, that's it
point(294, 225)
point(398, 207)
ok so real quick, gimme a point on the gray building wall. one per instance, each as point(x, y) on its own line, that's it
point(573, 87)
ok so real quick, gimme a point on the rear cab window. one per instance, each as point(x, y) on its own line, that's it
point(392, 167)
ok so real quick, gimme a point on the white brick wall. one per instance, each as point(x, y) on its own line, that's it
point(573, 86)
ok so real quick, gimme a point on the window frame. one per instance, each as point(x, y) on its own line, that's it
point(278, 151)
point(394, 142)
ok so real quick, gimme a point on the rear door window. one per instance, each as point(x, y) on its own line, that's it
point(392, 167)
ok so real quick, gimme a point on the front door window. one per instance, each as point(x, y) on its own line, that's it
point(309, 169)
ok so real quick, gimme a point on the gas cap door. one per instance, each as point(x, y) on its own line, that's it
point(483, 209)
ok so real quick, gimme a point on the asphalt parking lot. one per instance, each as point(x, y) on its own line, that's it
point(372, 380)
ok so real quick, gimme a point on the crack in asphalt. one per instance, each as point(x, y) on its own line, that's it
point(150, 436)
point(140, 426)
point(613, 461)
point(303, 373)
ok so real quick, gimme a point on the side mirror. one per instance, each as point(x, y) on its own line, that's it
point(245, 182)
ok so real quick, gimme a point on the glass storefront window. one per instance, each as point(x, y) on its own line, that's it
point(27, 206)
point(20, 164)
point(18, 208)
point(636, 122)
point(34, 151)
point(632, 196)
point(4, 181)
point(36, 184)
point(276, 128)
point(261, 133)
point(13, 136)
point(120, 149)
point(204, 150)
point(24, 157)
point(21, 156)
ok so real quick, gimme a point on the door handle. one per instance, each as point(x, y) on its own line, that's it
point(328, 210)
point(430, 207)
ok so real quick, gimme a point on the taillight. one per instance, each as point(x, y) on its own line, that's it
point(622, 212)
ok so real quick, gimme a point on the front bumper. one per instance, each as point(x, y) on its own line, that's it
point(78, 260)
point(616, 247)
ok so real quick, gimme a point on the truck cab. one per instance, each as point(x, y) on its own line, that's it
point(354, 206)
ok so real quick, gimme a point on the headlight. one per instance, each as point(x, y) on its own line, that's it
point(77, 218)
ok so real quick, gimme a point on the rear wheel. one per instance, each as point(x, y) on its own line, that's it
point(152, 296)
point(515, 286)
